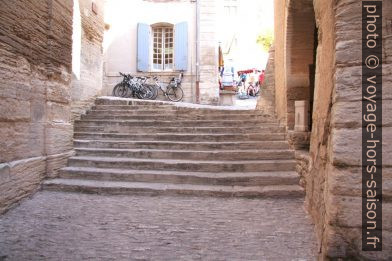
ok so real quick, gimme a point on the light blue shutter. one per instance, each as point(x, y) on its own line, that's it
point(181, 46)
point(143, 47)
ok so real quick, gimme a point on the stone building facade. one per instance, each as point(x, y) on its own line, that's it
point(87, 79)
point(133, 36)
point(38, 90)
point(318, 54)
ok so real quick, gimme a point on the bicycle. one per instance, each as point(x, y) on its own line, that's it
point(132, 86)
point(172, 90)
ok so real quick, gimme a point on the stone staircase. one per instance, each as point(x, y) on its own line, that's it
point(126, 146)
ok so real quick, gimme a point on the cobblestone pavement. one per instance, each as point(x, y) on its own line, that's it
point(67, 226)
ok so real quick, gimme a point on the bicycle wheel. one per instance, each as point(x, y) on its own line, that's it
point(174, 93)
point(152, 92)
point(156, 92)
point(120, 90)
point(142, 93)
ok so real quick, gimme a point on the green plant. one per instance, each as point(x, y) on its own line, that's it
point(265, 39)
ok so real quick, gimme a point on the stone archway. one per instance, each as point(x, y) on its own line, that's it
point(301, 44)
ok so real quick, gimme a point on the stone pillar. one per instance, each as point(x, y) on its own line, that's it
point(301, 116)
point(227, 98)
point(209, 86)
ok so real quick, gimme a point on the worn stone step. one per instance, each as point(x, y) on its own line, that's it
point(172, 108)
point(187, 154)
point(182, 136)
point(133, 107)
point(181, 145)
point(173, 111)
point(183, 165)
point(174, 123)
point(129, 188)
point(167, 117)
point(201, 130)
point(110, 100)
point(181, 177)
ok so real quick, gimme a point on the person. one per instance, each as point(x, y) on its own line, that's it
point(228, 75)
point(251, 90)
point(261, 77)
point(243, 79)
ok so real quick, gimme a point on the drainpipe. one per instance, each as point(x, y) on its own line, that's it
point(198, 51)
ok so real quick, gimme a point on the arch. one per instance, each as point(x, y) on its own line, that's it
point(162, 24)
point(300, 55)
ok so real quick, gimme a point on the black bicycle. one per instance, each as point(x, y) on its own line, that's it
point(131, 86)
point(172, 90)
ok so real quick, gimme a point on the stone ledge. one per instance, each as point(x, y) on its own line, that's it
point(299, 140)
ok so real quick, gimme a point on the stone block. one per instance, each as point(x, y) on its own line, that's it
point(56, 162)
point(346, 211)
point(227, 98)
point(349, 83)
point(299, 139)
point(58, 112)
point(301, 116)
point(57, 92)
point(349, 114)
point(348, 182)
point(347, 147)
point(14, 110)
point(352, 244)
point(19, 179)
point(21, 140)
point(58, 138)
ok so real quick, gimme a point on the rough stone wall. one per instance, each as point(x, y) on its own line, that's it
point(343, 173)
point(209, 87)
point(280, 65)
point(35, 69)
point(300, 26)
point(266, 101)
point(89, 85)
point(317, 178)
point(332, 175)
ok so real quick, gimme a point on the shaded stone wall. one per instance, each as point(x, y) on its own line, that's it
point(88, 85)
point(35, 69)
point(299, 53)
point(280, 52)
point(266, 101)
point(342, 234)
point(333, 174)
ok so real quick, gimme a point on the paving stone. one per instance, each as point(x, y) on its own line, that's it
point(70, 226)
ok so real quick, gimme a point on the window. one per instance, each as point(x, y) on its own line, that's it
point(163, 48)
point(230, 7)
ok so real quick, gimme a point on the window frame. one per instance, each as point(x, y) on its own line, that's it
point(163, 67)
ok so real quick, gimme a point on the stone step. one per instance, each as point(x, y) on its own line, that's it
point(201, 130)
point(181, 136)
point(166, 117)
point(129, 188)
point(187, 154)
point(180, 145)
point(173, 111)
point(171, 108)
point(174, 123)
point(129, 101)
point(133, 107)
point(183, 165)
point(181, 177)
